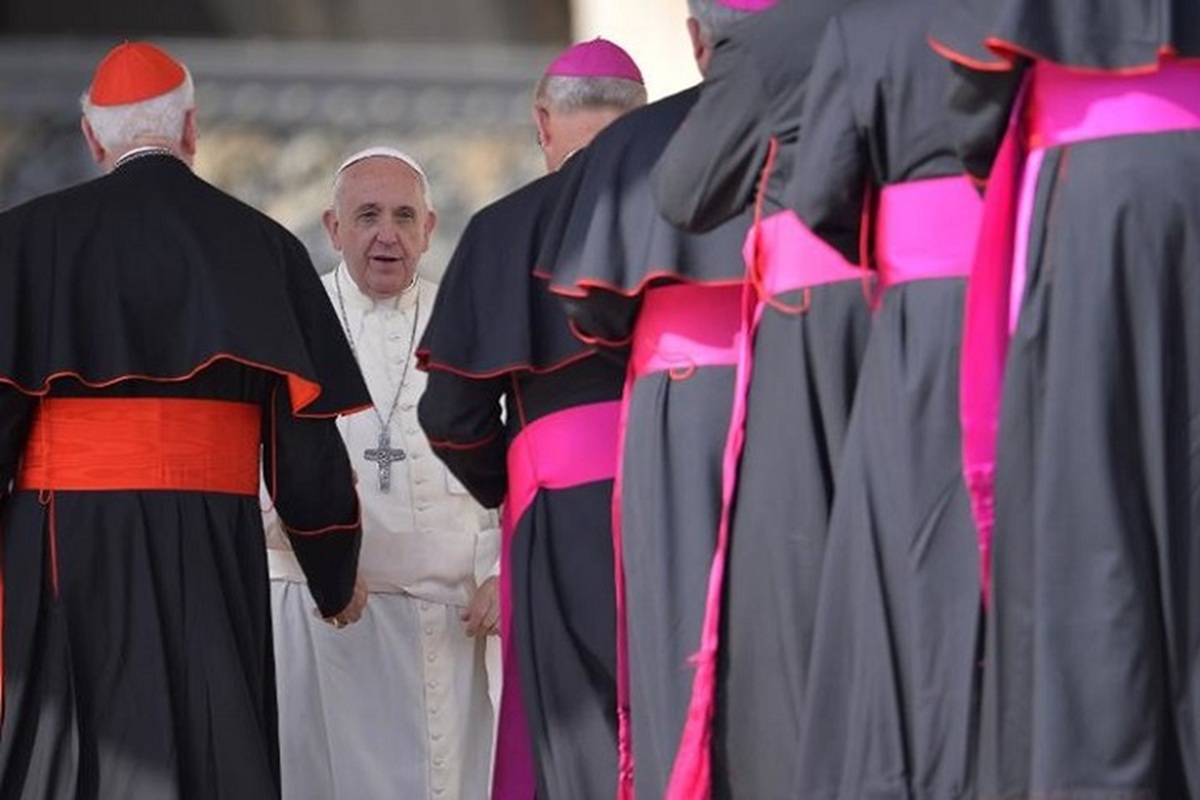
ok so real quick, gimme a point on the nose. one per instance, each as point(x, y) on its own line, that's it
point(388, 232)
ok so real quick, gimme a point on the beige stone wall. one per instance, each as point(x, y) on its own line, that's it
point(653, 31)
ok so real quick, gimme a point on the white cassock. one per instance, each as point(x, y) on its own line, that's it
point(396, 706)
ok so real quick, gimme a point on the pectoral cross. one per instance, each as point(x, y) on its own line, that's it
point(383, 456)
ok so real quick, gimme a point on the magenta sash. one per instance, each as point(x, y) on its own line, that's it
point(926, 229)
point(557, 451)
point(783, 255)
point(1058, 106)
point(680, 327)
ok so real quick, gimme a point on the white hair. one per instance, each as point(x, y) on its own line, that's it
point(714, 19)
point(383, 151)
point(566, 93)
point(161, 117)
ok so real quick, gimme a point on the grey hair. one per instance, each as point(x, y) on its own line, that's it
point(714, 19)
point(566, 93)
point(159, 117)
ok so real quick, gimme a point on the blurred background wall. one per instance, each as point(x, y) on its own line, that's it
point(286, 88)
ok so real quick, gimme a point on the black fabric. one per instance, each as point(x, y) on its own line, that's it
point(149, 271)
point(564, 620)
point(670, 504)
point(137, 623)
point(1099, 34)
point(753, 90)
point(470, 421)
point(1091, 668)
point(979, 105)
point(488, 319)
point(801, 390)
point(608, 233)
point(889, 698)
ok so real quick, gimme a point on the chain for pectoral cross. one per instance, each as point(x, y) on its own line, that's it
point(383, 454)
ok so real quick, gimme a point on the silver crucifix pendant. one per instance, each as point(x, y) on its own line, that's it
point(382, 456)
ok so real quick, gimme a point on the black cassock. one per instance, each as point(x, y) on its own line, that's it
point(891, 694)
point(1091, 663)
point(608, 251)
point(802, 386)
point(137, 632)
point(500, 356)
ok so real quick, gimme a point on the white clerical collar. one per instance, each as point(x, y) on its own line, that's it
point(362, 302)
point(145, 150)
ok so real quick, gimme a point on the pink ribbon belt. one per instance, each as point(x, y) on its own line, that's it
point(789, 257)
point(680, 327)
point(1058, 106)
point(926, 229)
point(557, 451)
point(684, 326)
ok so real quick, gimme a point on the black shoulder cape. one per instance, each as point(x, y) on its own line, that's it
point(1110, 35)
point(149, 272)
point(492, 315)
point(608, 233)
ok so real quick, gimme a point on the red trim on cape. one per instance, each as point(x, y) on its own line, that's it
point(1007, 51)
point(426, 363)
point(582, 287)
point(303, 391)
point(446, 444)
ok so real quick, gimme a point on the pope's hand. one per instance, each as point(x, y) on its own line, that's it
point(482, 616)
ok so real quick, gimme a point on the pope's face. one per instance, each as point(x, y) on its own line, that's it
point(380, 224)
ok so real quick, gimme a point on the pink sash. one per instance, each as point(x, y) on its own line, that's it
point(926, 229)
point(781, 255)
point(1059, 107)
point(557, 451)
point(680, 327)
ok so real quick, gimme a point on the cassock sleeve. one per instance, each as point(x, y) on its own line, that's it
point(16, 414)
point(462, 418)
point(309, 477)
point(708, 171)
point(979, 106)
point(832, 168)
point(604, 318)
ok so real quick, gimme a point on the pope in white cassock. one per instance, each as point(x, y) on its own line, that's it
point(396, 705)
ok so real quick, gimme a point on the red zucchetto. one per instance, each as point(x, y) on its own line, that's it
point(133, 72)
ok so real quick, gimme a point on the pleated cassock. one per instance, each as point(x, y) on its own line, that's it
point(890, 697)
point(1091, 683)
point(810, 329)
point(672, 301)
point(137, 655)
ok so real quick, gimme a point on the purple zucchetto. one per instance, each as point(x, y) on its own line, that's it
point(598, 58)
point(748, 5)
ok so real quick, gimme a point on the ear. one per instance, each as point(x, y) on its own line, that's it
point(541, 118)
point(330, 221)
point(431, 220)
point(700, 48)
point(94, 147)
point(187, 141)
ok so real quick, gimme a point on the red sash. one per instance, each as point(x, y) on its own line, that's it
point(115, 444)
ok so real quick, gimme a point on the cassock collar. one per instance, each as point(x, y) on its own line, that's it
point(360, 302)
